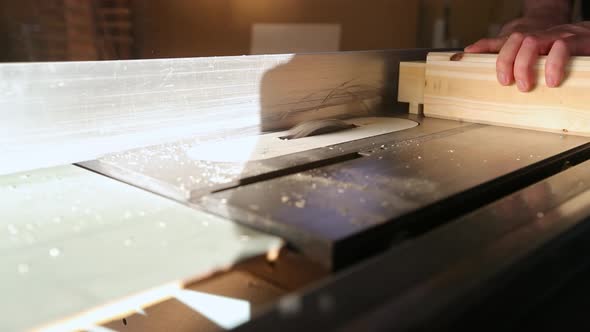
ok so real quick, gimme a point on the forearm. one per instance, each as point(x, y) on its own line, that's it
point(539, 15)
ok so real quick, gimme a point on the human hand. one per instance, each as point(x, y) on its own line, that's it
point(518, 53)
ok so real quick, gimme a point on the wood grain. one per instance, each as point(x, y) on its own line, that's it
point(466, 89)
point(412, 76)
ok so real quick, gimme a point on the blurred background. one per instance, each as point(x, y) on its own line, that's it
point(69, 30)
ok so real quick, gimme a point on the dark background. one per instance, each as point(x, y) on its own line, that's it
point(61, 30)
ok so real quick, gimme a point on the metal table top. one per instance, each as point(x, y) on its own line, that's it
point(337, 212)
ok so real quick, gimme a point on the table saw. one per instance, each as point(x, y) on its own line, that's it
point(162, 195)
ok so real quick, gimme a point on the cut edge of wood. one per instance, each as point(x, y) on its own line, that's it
point(465, 88)
point(505, 125)
point(578, 62)
point(412, 78)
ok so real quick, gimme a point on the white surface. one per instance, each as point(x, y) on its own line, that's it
point(66, 112)
point(224, 311)
point(72, 240)
point(270, 38)
point(267, 146)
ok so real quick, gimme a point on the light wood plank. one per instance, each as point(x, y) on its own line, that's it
point(467, 89)
point(412, 76)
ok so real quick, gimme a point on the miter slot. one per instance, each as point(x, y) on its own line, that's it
point(291, 170)
point(189, 169)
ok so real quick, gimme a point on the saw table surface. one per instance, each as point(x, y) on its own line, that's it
point(188, 169)
point(335, 212)
point(330, 202)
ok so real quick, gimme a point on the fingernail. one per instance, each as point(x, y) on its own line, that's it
point(502, 79)
point(468, 47)
point(551, 82)
point(521, 85)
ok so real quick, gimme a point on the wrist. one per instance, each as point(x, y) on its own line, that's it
point(548, 20)
point(552, 15)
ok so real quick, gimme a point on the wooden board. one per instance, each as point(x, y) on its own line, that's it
point(60, 113)
point(466, 89)
point(413, 76)
point(72, 241)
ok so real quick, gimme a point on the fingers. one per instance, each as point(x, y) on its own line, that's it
point(559, 56)
point(524, 64)
point(519, 53)
point(506, 57)
point(557, 60)
point(517, 58)
point(488, 45)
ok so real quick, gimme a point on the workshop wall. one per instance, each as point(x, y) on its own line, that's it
point(466, 20)
point(17, 21)
point(167, 28)
point(38, 30)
